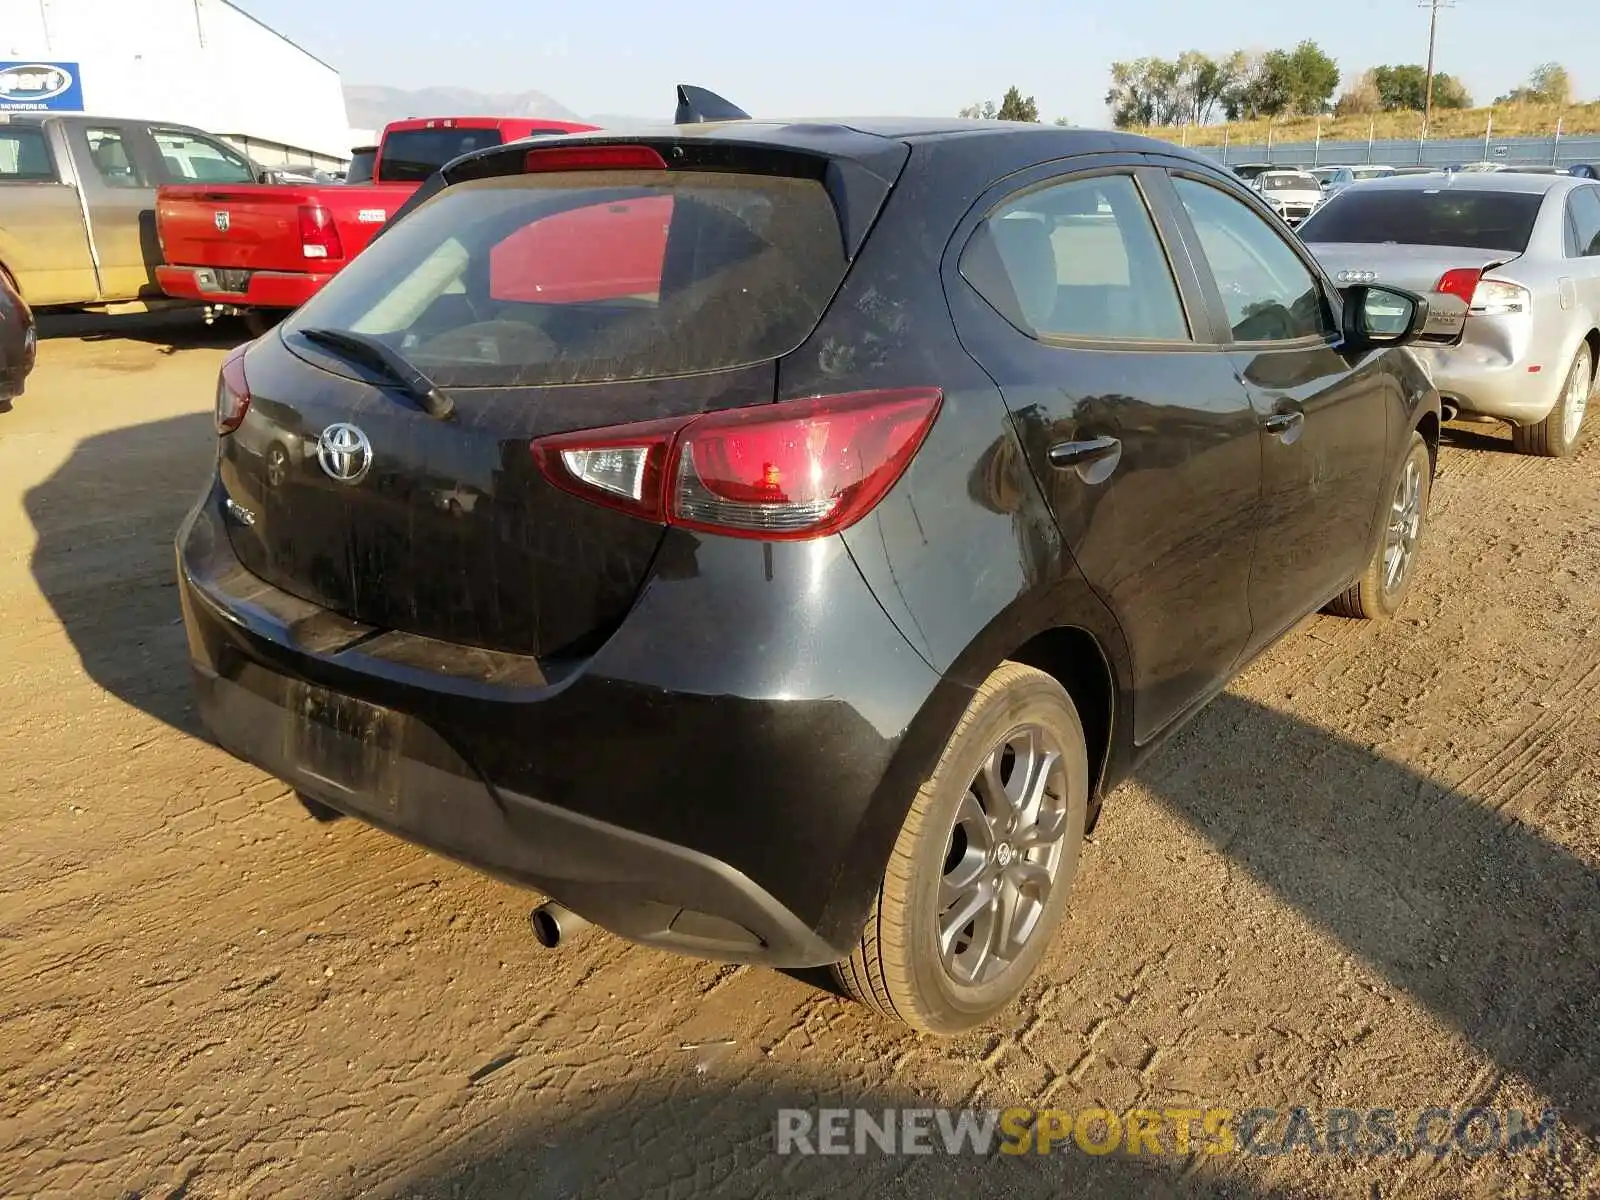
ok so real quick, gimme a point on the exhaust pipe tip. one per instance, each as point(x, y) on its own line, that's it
point(552, 923)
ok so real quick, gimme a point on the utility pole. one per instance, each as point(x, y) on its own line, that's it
point(1433, 7)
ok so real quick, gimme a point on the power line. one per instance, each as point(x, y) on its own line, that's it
point(1433, 7)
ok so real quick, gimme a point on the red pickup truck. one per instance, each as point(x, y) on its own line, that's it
point(256, 247)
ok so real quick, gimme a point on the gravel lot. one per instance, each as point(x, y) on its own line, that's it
point(1368, 876)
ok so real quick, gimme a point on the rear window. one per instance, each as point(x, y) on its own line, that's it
point(1446, 217)
point(1288, 181)
point(411, 155)
point(594, 276)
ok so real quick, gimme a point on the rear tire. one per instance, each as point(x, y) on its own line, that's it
point(979, 877)
point(1381, 590)
point(1561, 433)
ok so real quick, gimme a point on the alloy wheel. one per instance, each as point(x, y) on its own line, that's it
point(1405, 524)
point(1579, 384)
point(1004, 856)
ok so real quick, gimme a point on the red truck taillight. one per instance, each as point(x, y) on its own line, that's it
point(319, 237)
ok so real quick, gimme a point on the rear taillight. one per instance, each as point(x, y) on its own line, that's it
point(1496, 297)
point(319, 237)
point(1484, 297)
point(789, 471)
point(1460, 283)
point(233, 394)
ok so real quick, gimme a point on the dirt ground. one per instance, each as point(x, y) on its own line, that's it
point(1368, 876)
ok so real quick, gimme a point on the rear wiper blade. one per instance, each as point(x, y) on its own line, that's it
point(371, 352)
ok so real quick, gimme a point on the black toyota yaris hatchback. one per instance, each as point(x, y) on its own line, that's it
point(770, 541)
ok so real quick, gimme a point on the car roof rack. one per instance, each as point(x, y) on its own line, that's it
point(696, 106)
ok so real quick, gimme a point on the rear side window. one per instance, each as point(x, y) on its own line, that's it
point(1482, 220)
point(1584, 206)
point(411, 155)
point(1079, 259)
point(25, 156)
point(594, 276)
point(189, 159)
point(108, 151)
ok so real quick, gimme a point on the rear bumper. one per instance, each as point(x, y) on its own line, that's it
point(1513, 378)
point(263, 289)
point(662, 790)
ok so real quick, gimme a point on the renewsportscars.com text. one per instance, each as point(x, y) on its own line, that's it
point(1264, 1132)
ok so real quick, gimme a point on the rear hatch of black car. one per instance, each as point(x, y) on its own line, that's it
point(535, 302)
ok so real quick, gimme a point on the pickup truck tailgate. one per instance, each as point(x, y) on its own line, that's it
point(258, 227)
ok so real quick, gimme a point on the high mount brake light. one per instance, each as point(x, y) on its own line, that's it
point(776, 472)
point(233, 394)
point(593, 158)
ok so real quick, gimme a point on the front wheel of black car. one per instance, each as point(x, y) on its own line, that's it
point(980, 873)
point(1381, 590)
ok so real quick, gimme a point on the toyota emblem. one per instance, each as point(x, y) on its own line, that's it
point(344, 453)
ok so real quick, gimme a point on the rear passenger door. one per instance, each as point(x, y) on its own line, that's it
point(1129, 411)
point(1324, 418)
point(119, 184)
point(43, 242)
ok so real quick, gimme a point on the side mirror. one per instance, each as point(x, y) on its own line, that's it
point(1387, 316)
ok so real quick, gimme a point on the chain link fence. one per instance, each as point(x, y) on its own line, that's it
point(1556, 150)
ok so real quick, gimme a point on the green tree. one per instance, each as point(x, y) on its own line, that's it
point(1013, 107)
point(1311, 78)
point(1203, 81)
point(1450, 92)
point(1405, 88)
point(1548, 84)
point(1146, 91)
point(1263, 87)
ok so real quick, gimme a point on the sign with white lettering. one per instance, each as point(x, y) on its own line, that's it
point(40, 87)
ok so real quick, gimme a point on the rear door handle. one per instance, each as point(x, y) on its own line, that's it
point(1093, 459)
point(1286, 426)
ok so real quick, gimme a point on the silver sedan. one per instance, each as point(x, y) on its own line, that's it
point(1523, 251)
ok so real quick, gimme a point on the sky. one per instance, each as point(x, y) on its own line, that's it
point(892, 58)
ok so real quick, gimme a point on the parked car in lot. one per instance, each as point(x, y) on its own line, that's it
point(1524, 251)
point(19, 343)
point(262, 251)
point(1248, 171)
point(1293, 195)
point(77, 202)
point(1343, 177)
point(802, 606)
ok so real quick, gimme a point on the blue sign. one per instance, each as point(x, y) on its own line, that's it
point(40, 87)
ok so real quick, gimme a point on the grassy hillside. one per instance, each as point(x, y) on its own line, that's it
point(1518, 120)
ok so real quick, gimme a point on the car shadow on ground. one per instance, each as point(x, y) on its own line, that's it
point(1478, 918)
point(171, 330)
point(103, 558)
point(1478, 436)
point(703, 1138)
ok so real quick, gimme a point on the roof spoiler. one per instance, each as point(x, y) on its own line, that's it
point(696, 106)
